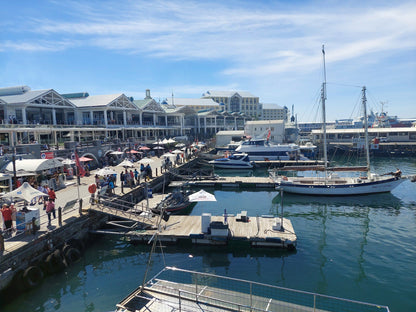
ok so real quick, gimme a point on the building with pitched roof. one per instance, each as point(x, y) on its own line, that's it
point(236, 101)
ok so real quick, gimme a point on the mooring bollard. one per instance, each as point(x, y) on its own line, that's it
point(1, 242)
point(34, 226)
point(156, 172)
point(80, 206)
point(60, 216)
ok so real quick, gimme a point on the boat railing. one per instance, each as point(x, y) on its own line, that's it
point(241, 295)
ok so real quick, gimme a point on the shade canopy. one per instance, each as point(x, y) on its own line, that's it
point(133, 152)
point(177, 151)
point(34, 165)
point(158, 148)
point(68, 162)
point(105, 171)
point(201, 196)
point(168, 155)
point(117, 153)
point(144, 148)
point(25, 192)
point(126, 164)
point(145, 161)
point(83, 158)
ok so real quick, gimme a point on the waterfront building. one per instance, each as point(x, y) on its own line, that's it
point(274, 112)
point(196, 104)
point(236, 101)
point(260, 128)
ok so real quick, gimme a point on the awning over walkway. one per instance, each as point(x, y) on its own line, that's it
point(34, 165)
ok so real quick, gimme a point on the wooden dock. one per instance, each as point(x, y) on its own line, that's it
point(255, 232)
point(236, 182)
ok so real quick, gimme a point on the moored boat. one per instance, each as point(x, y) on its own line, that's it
point(234, 161)
point(330, 183)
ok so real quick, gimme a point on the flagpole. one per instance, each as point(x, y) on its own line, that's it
point(78, 176)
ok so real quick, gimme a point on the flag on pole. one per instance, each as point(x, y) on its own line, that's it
point(81, 170)
point(268, 135)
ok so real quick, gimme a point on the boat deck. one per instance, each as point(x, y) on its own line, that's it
point(175, 289)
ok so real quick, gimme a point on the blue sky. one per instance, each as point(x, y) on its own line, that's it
point(269, 48)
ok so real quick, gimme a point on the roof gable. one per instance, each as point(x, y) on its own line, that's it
point(38, 98)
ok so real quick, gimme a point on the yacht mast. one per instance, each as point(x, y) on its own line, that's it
point(367, 150)
point(323, 99)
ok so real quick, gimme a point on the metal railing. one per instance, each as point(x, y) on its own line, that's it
point(41, 223)
point(242, 295)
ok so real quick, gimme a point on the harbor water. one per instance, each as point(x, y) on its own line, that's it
point(361, 248)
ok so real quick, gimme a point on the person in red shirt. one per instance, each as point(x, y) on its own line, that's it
point(7, 213)
point(52, 195)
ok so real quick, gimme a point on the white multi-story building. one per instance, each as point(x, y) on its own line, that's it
point(274, 112)
point(236, 101)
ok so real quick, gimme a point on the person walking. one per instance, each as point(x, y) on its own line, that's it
point(7, 213)
point(50, 209)
point(51, 194)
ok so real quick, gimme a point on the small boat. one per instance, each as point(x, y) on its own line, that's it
point(234, 161)
point(175, 202)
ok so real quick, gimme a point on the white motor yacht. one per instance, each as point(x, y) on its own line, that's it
point(235, 161)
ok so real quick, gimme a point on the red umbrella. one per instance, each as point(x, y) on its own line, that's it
point(144, 148)
point(83, 158)
point(133, 152)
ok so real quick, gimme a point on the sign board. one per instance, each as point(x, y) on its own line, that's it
point(73, 156)
point(49, 155)
point(43, 156)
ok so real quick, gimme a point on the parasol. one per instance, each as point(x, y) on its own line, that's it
point(83, 158)
point(145, 161)
point(105, 171)
point(201, 196)
point(126, 164)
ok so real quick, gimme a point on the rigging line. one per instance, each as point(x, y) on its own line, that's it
point(344, 84)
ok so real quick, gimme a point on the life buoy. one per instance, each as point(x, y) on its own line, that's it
point(72, 255)
point(92, 188)
point(33, 276)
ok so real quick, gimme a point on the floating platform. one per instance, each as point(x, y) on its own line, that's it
point(235, 182)
point(262, 231)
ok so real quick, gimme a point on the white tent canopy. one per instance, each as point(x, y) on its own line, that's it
point(34, 165)
point(25, 192)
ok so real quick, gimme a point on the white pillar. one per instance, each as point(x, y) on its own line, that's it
point(154, 119)
point(105, 118)
point(235, 122)
point(54, 116)
point(166, 120)
point(141, 118)
point(205, 125)
point(24, 116)
point(91, 117)
point(124, 118)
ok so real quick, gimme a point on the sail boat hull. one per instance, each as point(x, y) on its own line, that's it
point(338, 187)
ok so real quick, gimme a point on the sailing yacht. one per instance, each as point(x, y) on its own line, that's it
point(330, 183)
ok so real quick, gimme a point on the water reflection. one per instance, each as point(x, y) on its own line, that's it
point(383, 200)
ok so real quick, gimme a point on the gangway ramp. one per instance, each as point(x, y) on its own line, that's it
point(126, 210)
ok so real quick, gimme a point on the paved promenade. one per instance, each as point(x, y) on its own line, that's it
point(68, 198)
